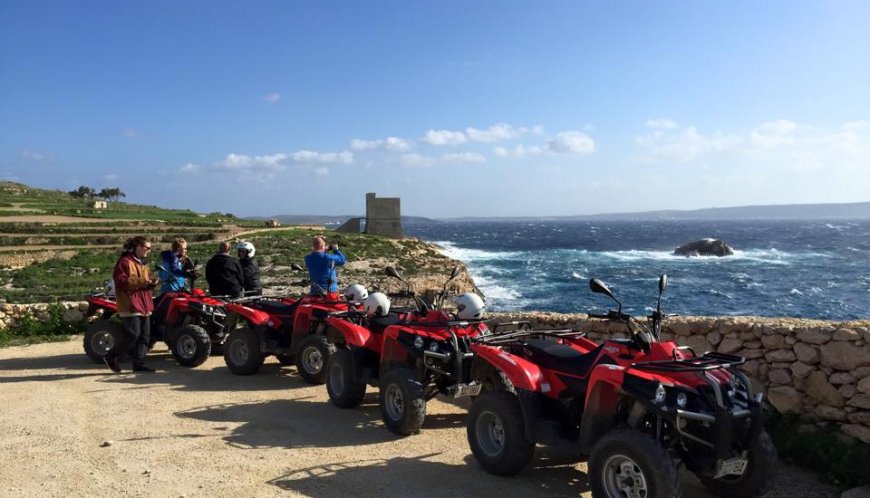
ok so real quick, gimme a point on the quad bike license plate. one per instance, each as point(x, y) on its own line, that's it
point(467, 390)
point(732, 467)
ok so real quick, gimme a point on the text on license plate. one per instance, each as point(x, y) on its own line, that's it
point(467, 390)
point(732, 466)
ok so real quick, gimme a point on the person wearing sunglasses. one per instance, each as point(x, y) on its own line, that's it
point(134, 287)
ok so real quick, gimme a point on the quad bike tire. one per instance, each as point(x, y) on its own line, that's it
point(190, 345)
point(755, 479)
point(627, 462)
point(343, 390)
point(242, 352)
point(100, 337)
point(312, 357)
point(496, 434)
point(403, 402)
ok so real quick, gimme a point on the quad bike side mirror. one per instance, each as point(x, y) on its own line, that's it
point(600, 287)
point(454, 273)
point(663, 283)
point(296, 267)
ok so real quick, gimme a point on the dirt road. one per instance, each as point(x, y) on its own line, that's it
point(71, 428)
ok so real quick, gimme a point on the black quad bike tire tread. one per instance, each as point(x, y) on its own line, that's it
point(413, 409)
point(98, 327)
point(659, 470)
point(200, 339)
point(352, 392)
point(755, 480)
point(326, 350)
point(286, 359)
point(517, 452)
point(247, 338)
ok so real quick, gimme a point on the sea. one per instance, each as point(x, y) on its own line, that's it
point(805, 269)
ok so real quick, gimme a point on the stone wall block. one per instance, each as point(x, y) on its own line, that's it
point(786, 399)
point(780, 376)
point(861, 372)
point(697, 342)
point(751, 368)
point(781, 355)
point(751, 354)
point(813, 336)
point(773, 341)
point(806, 353)
point(830, 413)
point(801, 370)
point(681, 328)
point(861, 417)
point(752, 344)
point(842, 378)
point(73, 316)
point(858, 431)
point(730, 345)
point(818, 388)
point(846, 335)
point(791, 340)
point(864, 385)
point(844, 356)
point(848, 391)
point(859, 400)
point(714, 338)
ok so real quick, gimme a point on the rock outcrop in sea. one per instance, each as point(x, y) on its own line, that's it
point(704, 247)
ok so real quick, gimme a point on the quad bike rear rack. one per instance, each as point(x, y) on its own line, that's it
point(707, 361)
point(513, 336)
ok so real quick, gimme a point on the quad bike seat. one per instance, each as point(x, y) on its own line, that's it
point(378, 324)
point(561, 357)
point(275, 307)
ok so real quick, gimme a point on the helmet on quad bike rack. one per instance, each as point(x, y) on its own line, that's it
point(110, 288)
point(246, 246)
point(356, 293)
point(377, 304)
point(469, 305)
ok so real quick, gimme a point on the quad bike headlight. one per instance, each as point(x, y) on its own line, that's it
point(660, 394)
point(433, 347)
point(418, 342)
point(682, 400)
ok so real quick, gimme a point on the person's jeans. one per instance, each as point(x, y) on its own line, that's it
point(134, 340)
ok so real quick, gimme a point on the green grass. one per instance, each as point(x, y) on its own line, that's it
point(29, 329)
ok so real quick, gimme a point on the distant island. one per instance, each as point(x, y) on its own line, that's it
point(844, 211)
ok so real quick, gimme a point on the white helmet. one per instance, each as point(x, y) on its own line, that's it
point(356, 293)
point(246, 246)
point(469, 305)
point(377, 304)
point(110, 288)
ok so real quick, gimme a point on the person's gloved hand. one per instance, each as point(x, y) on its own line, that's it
point(333, 247)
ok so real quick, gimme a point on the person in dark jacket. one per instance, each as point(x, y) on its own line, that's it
point(224, 273)
point(321, 267)
point(134, 286)
point(172, 272)
point(250, 269)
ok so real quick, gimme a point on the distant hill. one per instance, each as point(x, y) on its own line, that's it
point(845, 211)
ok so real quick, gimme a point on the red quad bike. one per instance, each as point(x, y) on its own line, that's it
point(412, 354)
point(190, 323)
point(292, 329)
point(637, 407)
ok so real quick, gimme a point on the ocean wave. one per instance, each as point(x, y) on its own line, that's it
point(493, 289)
point(467, 255)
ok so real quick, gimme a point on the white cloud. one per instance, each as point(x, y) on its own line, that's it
point(661, 123)
point(444, 137)
point(519, 151)
point(321, 171)
point(272, 97)
point(496, 133)
point(32, 155)
point(313, 157)
point(393, 144)
point(415, 160)
point(190, 168)
point(571, 142)
point(271, 163)
point(463, 157)
point(779, 142)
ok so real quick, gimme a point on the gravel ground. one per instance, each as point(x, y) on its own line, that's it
point(72, 428)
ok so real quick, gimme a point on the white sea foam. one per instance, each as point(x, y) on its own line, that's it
point(467, 255)
point(492, 289)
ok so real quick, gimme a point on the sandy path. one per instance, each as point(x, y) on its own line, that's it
point(205, 432)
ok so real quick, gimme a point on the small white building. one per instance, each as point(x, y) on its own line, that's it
point(101, 204)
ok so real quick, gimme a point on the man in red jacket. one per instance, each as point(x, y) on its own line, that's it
point(133, 289)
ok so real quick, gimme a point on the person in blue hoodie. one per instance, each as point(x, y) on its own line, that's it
point(321, 267)
point(171, 271)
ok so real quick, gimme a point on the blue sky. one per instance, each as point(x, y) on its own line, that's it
point(472, 108)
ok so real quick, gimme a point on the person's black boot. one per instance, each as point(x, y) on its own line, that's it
point(112, 363)
point(143, 368)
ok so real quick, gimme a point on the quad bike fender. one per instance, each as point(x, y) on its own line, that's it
point(602, 401)
point(343, 331)
point(522, 374)
point(252, 316)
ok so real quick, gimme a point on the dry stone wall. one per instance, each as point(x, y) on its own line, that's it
point(819, 369)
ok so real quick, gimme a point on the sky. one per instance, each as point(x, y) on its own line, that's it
point(460, 108)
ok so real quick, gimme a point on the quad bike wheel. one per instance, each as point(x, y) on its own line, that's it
point(190, 345)
point(403, 402)
point(312, 357)
point(756, 477)
point(242, 352)
point(626, 462)
point(496, 434)
point(343, 390)
point(100, 337)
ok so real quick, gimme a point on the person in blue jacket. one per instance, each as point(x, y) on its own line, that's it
point(171, 271)
point(321, 267)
